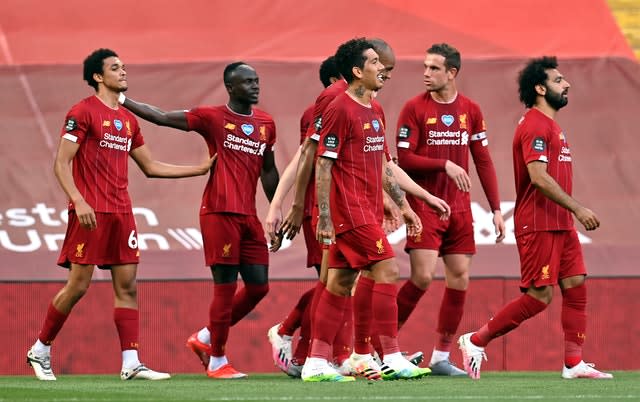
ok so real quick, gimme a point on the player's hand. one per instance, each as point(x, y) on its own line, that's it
point(587, 217)
point(208, 164)
point(458, 175)
point(439, 205)
point(86, 215)
point(498, 224)
point(413, 222)
point(325, 233)
point(273, 220)
point(292, 223)
point(276, 241)
point(391, 221)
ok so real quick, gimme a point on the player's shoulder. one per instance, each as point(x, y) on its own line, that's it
point(332, 91)
point(418, 101)
point(209, 109)
point(467, 103)
point(86, 105)
point(262, 115)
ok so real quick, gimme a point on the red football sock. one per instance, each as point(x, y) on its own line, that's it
point(246, 300)
point(363, 315)
point(574, 323)
point(294, 318)
point(385, 313)
point(376, 345)
point(317, 293)
point(220, 316)
point(53, 323)
point(128, 323)
point(408, 297)
point(451, 309)
point(342, 344)
point(329, 317)
point(507, 319)
point(302, 347)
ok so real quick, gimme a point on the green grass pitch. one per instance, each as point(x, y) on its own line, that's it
point(494, 386)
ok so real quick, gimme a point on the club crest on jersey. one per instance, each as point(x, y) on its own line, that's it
point(117, 124)
point(463, 121)
point(247, 129)
point(447, 119)
point(376, 125)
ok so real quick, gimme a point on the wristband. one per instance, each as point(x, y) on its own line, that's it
point(121, 98)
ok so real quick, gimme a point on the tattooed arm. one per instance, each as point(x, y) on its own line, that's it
point(407, 184)
point(325, 233)
point(391, 187)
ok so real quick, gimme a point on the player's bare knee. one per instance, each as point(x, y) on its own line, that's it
point(422, 279)
point(544, 293)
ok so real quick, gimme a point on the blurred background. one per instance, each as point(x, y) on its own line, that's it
point(175, 53)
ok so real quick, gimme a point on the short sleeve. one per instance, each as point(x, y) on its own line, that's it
point(76, 125)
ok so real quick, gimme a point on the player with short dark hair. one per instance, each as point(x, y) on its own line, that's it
point(281, 335)
point(548, 245)
point(437, 130)
point(349, 195)
point(242, 136)
point(91, 166)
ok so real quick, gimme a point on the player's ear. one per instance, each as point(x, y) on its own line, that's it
point(541, 89)
point(356, 71)
point(97, 77)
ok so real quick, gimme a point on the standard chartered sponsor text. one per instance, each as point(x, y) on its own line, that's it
point(444, 137)
point(246, 145)
point(378, 141)
point(115, 142)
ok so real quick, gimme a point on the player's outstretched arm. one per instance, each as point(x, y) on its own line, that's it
point(293, 221)
point(175, 119)
point(154, 168)
point(407, 184)
point(62, 169)
point(391, 187)
point(552, 190)
point(273, 221)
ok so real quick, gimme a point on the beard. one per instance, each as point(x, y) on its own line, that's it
point(555, 100)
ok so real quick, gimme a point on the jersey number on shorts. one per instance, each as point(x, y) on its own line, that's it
point(133, 240)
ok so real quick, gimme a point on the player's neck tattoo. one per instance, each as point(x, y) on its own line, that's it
point(360, 91)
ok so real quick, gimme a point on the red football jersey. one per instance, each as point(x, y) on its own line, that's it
point(354, 136)
point(100, 167)
point(322, 101)
point(539, 138)
point(240, 142)
point(306, 121)
point(430, 133)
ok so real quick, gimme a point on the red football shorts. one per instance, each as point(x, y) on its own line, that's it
point(360, 248)
point(233, 239)
point(113, 242)
point(453, 236)
point(547, 257)
point(314, 249)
